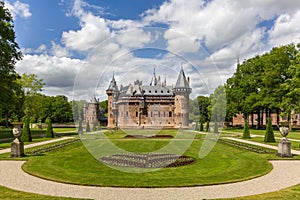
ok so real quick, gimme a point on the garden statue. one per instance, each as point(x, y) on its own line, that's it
point(17, 146)
point(284, 146)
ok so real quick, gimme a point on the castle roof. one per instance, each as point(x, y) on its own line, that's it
point(113, 85)
point(181, 80)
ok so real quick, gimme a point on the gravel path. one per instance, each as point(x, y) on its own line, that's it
point(38, 144)
point(284, 174)
point(260, 144)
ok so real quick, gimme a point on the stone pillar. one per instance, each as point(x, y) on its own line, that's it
point(284, 148)
point(17, 146)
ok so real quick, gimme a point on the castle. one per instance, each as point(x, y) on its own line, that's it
point(156, 105)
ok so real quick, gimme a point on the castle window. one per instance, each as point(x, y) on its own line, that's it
point(162, 91)
point(168, 91)
point(126, 113)
point(170, 114)
point(155, 91)
point(151, 114)
point(149, 91)
point(158, 114)
point(136, 114)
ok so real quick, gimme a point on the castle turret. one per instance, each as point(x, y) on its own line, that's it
point(112, 93)
point(182, 91)
point(91, 112)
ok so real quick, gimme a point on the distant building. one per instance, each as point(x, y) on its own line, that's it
point(156, 105)
point(93, 114)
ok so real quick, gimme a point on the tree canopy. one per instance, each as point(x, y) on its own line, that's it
point(11, 94)
point(265, 83)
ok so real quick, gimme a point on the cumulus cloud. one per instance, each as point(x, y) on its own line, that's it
point(208, 36)
point(93, 31)
point(286, 29)
point(18, 9)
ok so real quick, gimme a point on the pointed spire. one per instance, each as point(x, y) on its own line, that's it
point(113, 84)
point(154, 75)
point(181, 80)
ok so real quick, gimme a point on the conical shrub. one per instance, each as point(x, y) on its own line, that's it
point(269, 136)
point(246, 131)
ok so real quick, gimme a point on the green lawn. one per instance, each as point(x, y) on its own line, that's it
point(74, 164)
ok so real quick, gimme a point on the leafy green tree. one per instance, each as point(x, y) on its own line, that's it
point(26, 136)
point(11, 94)
point(217, 107)
point(88, 129)
point(104, 105)
point(31, 84)
point(203, 104)
point(49, 131)
point(246, 131)
point(269, 136)
point(61, 109)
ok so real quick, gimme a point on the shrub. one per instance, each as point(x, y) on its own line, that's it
point(94, 127)
point(201, 126)
point(88, 129)
point(269, 136)
point(80, 130)
point(99, 126)
point(26, 136)
point(216, 130)
point(207, 127)
point(49, 131)
point(246, 132)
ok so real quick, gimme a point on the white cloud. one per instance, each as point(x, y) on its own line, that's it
point(93, 31)
point(133, 38)
point(18, 9)
point(286, 29)
point(227, 29)
point(59, 51)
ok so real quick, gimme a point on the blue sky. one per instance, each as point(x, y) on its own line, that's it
point(76, 45)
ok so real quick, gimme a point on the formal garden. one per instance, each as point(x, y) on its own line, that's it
point(70, 161)
point(262, 85)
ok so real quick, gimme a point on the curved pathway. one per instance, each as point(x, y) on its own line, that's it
point(284, 174)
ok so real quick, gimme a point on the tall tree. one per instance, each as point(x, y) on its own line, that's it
point(9, 54)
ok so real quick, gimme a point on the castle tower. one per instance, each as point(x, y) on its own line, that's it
point(112, 93)
point(92, 112)
point(182, 92)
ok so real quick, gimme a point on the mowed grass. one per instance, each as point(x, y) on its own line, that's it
point(74, 164)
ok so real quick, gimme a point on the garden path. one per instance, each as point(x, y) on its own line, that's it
point(7, 150)
point(260, 144)
point(284, 174)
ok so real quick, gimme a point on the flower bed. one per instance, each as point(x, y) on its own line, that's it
point(147, 160)
point(145, 136)
point(46, 149)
